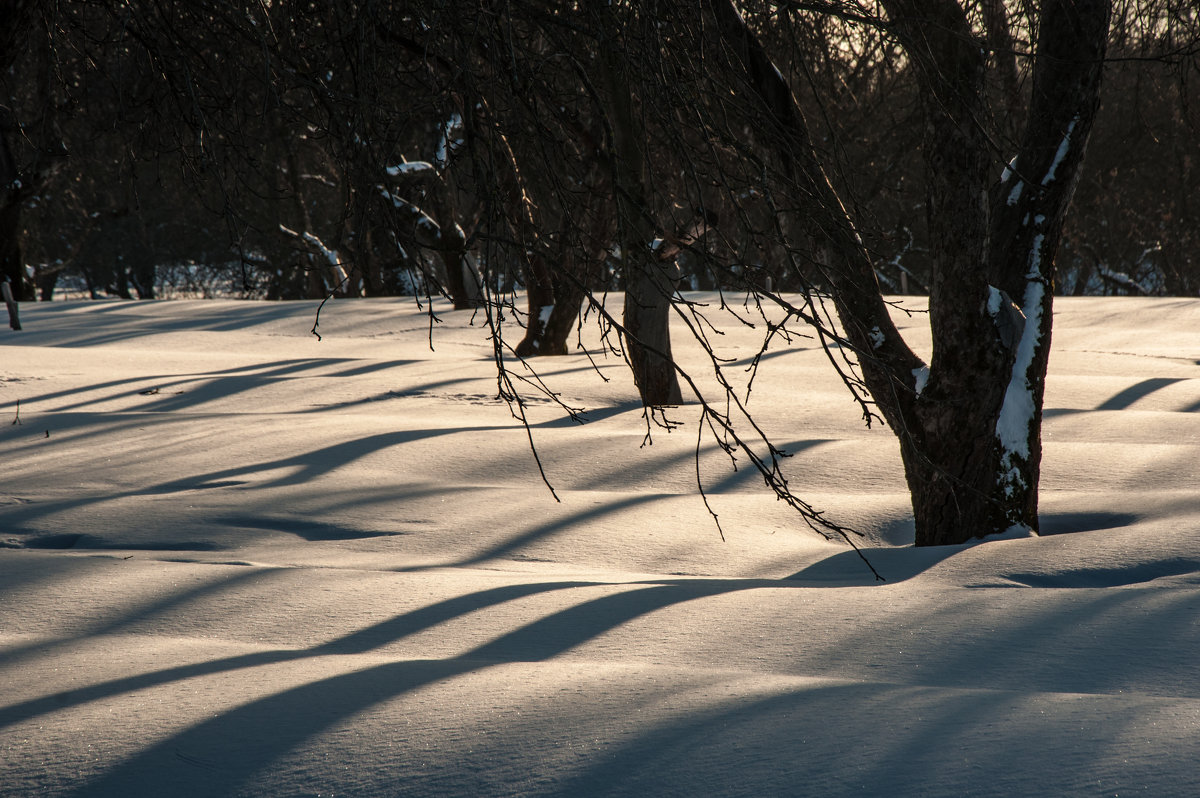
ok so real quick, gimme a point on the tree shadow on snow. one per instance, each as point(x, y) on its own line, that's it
point(839, 738)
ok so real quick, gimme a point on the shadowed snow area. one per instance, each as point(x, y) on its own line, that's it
point(239, 561)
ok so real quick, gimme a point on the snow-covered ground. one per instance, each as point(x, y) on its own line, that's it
point(235, 560)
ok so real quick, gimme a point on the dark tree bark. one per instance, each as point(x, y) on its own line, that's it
point(1002, 49)
point(648, 289)
point(650, 283)
point(556, 292)
point(969, 423)
point(950, 458)
point(541, 300)
point(12, 195)
point(1029, 209)
point(462, 283)
point(16, 21)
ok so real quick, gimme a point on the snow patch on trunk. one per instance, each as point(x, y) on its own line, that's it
point(1017, 412)
point(331, 255)
point(995, 301)
point(1008, 170)
point(1064, 147)
point(920, 378)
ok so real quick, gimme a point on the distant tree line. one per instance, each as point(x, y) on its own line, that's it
point(523, 158)
point(165, 146)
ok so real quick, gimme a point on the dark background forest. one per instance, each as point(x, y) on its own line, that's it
point(201, 149)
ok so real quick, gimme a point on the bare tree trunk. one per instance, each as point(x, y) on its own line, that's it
point(542, 301)
point(649, 283)
point(648, 290)
point(460, 282)
point(1027, 222)
point(14, 314)
point(973, 463)
point(15, 21)
point(969, 424)
point(314, 286)
point(12, 196)
point(556, 295)
point(951, 462)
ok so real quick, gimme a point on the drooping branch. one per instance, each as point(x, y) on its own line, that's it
point(887, 362)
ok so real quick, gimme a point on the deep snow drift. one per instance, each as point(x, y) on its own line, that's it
point(235, 560)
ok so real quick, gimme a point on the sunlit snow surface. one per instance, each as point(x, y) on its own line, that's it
point(235, 560)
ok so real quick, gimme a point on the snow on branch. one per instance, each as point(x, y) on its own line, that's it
point(428, 232)
point(1123, 280)
point(411, 169)
point(330, 255)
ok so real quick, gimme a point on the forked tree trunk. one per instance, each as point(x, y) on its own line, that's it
point(1029, 209)
point(974, 462)
point(969, 424)
point(950, 455)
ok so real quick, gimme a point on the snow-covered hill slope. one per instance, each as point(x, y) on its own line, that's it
point(236, 560)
